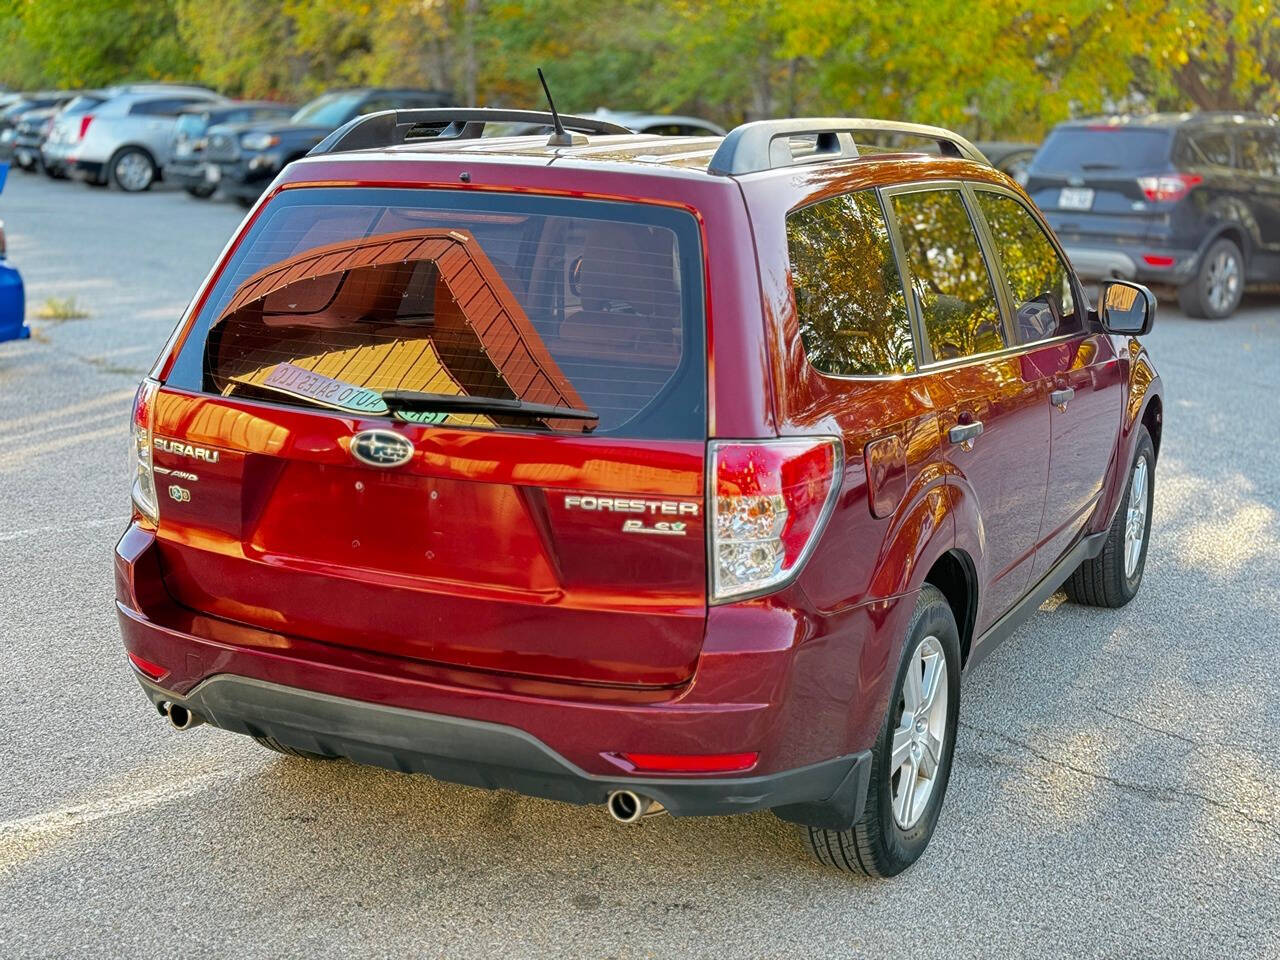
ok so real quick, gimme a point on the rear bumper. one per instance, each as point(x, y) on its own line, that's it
point(1128, 263)
point(808, 697)
point(494, 756)
point(187, 173)
point(86, 170)
point(249, 176)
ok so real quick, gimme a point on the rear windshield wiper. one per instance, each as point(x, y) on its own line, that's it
point(415, 401)
point(1098, 166)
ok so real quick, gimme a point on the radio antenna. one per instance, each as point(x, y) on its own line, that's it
point(561, 137)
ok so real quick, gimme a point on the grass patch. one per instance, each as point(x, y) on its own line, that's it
point(59, 308)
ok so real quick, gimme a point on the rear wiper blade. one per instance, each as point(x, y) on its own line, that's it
point(415, 401)
point(1098, 166)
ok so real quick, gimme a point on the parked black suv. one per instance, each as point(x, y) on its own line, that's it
point(249, 155)
point(1191, 200)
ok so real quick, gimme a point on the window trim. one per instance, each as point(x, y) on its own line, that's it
point(926, 362)
point(895, 246)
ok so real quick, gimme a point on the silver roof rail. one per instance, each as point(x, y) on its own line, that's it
point(762, 145)
point(391, 127)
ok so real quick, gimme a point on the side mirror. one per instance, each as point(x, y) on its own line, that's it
point(1126, 308)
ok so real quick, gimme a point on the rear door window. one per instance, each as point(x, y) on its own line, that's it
point(849, 298)
point(1039, 283)
point(949, 276)
point(1212, 147)
point(1260, 152)
point(338, 295)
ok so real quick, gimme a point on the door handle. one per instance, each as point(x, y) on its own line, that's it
point(1060, 398)
point(965, 433)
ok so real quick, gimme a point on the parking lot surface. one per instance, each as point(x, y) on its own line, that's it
point(1114, 791)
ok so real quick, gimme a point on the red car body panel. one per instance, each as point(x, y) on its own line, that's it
point(512, 611)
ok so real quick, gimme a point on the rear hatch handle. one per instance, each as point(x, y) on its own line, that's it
point(414, 401)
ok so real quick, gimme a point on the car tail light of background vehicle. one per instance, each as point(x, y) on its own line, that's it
point(84, 125)
point(1168, 188)
point(1158, 260)
point(771, 499)
point(140, 437)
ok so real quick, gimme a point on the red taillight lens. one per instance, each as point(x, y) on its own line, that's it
point(689, 762)
point(1169, 187)
point(1157, 260)
point(140, 434)
point(771, 498)
point(84, 124)
point(152, 670)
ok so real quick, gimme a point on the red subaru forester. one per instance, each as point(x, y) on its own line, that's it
point(680, 474)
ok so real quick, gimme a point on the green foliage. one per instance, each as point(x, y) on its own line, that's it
point(84, 43)
point(991, 68)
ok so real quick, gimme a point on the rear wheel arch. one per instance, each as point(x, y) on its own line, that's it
point(1237, 235)
point(955, 576)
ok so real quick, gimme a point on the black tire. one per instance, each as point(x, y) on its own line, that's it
point(246, 202)
point(877, 845)
point(202, 192)
point(1197, 296)
point(272, 744)
point(1103, 581)
point(54, 174)
point(145, 165)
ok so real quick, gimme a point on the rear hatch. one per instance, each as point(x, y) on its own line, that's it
point(461, 427)
point(1085, 179)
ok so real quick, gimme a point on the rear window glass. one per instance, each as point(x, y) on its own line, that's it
point(849, 299)
point(337, 296)
point(1081, 149)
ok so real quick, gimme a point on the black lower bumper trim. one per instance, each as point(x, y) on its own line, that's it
point(495, 756)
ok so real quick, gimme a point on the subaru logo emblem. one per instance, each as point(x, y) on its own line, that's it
point(381, 448)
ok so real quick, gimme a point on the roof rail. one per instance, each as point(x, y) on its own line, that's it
point(761, 145)
point(391, 127)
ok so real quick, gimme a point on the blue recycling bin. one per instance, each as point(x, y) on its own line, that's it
point(13, 299)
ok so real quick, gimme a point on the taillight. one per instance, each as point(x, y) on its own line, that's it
point(84, 124)
point(770, 501)
point(1167, 188)
point(140, 435)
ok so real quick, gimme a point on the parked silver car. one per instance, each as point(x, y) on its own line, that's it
point(125, 140)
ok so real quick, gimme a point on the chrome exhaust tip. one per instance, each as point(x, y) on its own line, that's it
point(180, 718)
point(626, 806)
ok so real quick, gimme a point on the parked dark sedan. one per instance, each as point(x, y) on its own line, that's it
point(187, 166)
point(249, 155)
point(1009, 156)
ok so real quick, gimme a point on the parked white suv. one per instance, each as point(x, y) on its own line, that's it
point(125, 140)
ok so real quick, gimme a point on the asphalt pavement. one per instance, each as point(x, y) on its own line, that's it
point(1115, 784)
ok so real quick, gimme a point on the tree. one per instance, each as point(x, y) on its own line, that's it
point(87, 43)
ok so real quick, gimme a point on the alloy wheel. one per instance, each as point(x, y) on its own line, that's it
point(133, 171)
point(1135, 528)
point(921, 733)
point(1222, 284)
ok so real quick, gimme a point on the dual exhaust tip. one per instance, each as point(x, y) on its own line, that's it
point(179, 717)
point(629, 807)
